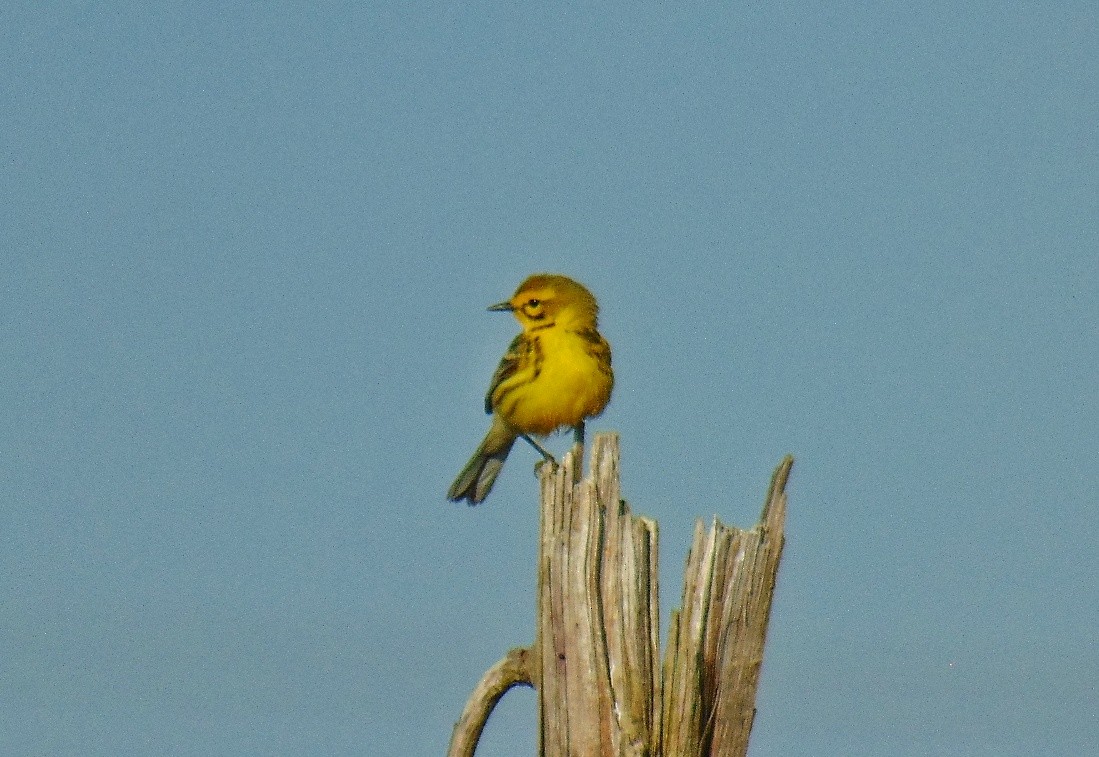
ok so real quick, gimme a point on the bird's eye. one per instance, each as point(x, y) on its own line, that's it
point(534, 303)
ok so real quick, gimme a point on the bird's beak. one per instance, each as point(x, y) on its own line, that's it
point(501, 306)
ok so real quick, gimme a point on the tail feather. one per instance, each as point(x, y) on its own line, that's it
point(476, 479)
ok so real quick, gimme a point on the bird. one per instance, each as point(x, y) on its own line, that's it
point(555, 374)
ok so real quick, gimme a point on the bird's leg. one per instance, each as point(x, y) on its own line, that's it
point(578, 438)
point(541, 450)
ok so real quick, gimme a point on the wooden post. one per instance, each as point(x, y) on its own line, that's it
point(715, 643)
point(598, 613)
point(595, 657)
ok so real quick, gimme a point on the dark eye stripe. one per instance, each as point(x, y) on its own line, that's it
point(533, 309)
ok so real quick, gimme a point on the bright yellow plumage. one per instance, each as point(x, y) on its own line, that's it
point(556, 373)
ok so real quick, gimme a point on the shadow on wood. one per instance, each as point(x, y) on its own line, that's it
point(594, 662)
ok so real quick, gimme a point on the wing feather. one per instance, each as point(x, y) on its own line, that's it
point(509, 365)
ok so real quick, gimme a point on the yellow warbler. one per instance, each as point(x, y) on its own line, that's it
point(556, 373)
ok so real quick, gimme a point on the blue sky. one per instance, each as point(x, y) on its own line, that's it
point(245, 255)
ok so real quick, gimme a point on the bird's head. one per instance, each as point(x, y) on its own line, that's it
point(547, 299)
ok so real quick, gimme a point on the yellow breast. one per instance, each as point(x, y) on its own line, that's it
point(571, 380)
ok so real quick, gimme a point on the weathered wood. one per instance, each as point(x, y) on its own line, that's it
point(742, 631)
point(601, 687)
point(598, 622)
point(715, 648)
point(513, 670)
